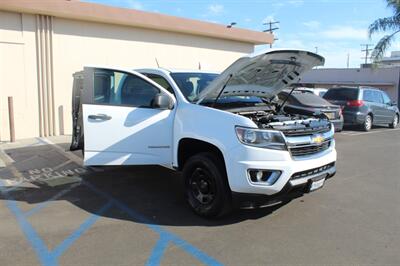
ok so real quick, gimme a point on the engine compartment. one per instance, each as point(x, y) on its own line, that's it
point(289, 124)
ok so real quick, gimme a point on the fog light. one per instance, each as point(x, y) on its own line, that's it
point(267, 177)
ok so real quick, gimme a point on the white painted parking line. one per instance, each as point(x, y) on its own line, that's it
point(357, 133)
point(73, 157)
point(5, 159)
point(348, 132)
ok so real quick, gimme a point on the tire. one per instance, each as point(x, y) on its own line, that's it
point(367, 125)
point(206, 186)
point(395, 121)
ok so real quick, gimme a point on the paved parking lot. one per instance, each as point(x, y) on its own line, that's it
point(54, 211)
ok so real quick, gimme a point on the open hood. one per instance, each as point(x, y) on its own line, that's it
point(263, 75)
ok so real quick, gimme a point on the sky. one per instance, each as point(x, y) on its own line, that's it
point(334, 28)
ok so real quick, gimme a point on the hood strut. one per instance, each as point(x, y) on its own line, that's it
point(219, 94)
point(287, 97)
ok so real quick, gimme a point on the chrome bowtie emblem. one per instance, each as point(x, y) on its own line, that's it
point(317, 139)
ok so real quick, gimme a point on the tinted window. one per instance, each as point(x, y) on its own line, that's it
point(341, 94)
point(377, 96)
point(137, 92)
point(386, 98)
point(102, 87)
point(118, 88)
point(283, 96)
point(368, 96)
point(309, 99)
point(160, 81)
point(372, 96)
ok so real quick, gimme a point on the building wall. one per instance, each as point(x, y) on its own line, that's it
point(386, 79)
point(78, 43)
point(39, 54)
point(18, 74)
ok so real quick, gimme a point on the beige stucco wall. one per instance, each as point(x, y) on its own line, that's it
point(18, 74)
point(79, 43)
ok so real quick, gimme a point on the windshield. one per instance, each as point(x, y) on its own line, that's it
point(191, 84)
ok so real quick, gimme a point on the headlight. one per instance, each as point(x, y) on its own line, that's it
point(261, 138)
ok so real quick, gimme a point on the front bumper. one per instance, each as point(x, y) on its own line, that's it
point(289, 192)
point(259, 158)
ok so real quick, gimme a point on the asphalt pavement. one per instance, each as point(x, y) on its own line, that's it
point(55, 211)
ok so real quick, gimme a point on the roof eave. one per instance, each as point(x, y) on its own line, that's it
point(129, 17)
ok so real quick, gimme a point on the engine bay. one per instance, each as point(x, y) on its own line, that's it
point(289, 124)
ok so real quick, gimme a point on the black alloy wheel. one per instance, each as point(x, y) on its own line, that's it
point(206, 185)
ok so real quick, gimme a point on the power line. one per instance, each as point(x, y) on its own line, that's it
point(367, 52)
point(271, 29)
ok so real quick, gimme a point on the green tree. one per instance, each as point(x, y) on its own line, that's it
point(389, 24)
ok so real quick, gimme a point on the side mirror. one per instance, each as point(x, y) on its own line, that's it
point(393, 103)
point(162, 101)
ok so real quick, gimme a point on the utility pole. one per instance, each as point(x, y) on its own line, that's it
point(367, 52)
point(348, 60)
point(271, 29)
point(316, 49)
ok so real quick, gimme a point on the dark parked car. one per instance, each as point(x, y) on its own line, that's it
point(364, 106)
point(308, 103)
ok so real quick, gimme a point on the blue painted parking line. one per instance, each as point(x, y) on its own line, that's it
point(164, 235)
point(50, 257)
point(55, 197)
point(60, 249)
point(158, 251)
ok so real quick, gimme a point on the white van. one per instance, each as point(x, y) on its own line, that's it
point(226, 132)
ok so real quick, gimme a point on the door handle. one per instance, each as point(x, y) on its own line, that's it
point(101, 117)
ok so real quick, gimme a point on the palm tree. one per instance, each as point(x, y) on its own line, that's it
point(391, 23)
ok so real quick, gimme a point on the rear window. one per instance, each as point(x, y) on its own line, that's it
point(309, 99)
point(341, 94)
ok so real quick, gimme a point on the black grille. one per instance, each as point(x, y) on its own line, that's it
point(310, 149)
point(313, 171)
point(305, 131)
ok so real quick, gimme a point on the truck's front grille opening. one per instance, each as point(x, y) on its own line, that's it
point(305, 131)
point(313, 171)
point(309, 149)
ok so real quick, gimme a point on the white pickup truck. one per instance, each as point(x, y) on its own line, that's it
point(227, 133)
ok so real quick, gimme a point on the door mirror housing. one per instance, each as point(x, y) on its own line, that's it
point(393, 103)
point(163, 101)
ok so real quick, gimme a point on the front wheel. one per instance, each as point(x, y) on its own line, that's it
point(206, 185)
point(395, 121)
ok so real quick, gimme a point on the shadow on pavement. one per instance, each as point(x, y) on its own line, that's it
point(154, 194)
